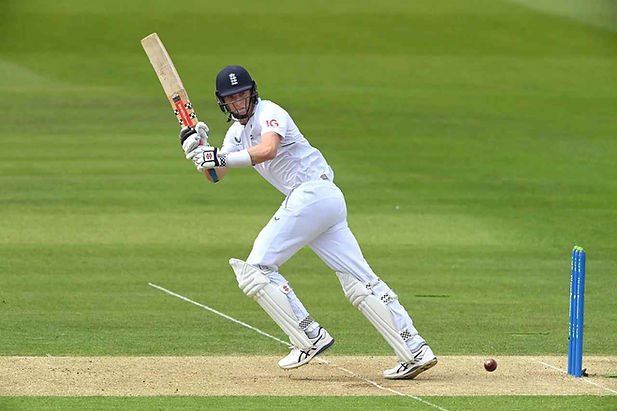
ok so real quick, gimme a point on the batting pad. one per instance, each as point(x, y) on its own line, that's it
point(256, 285)
point(377, 312)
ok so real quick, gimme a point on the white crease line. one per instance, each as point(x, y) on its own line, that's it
point(381, 387)
point(205, 307)
point(582, 379)
point(390, 389)
point(373, 383)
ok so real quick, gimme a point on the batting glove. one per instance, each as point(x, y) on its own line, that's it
point(206, 157)
point(191, 138)
point(204, 132)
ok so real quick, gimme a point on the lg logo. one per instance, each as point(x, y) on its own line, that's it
point(272, 123)
point(233, 79)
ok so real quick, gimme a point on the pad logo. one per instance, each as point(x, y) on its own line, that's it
point(285, 288)
point(233, 79)
point(208, 156)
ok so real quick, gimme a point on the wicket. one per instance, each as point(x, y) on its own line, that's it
point(577, 303)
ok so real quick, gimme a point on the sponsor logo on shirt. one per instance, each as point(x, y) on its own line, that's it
point(272, 123)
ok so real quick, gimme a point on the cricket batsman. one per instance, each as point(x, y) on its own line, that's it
point(264, 136)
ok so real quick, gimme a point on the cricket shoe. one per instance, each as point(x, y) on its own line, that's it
point(423, 359)
point(297, 358)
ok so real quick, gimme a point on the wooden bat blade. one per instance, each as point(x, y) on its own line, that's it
point(172, 84)
point(170, 80)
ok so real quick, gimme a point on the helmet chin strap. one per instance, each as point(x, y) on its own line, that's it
point(237, 117)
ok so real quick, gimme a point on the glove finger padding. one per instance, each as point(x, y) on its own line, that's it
point(203, 131)
point(195, 154)
point(185, 133)
point(191, 143)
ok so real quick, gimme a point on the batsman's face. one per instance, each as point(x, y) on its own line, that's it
point(239, 103)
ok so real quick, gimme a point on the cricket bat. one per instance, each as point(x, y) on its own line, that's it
point(172, 84)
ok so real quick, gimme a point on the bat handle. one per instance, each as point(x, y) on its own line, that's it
point(213, 175)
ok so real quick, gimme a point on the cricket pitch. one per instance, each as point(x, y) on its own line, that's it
point(331, 375)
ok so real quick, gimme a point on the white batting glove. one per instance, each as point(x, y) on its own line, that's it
point(191, 138)
point(203, 131)
point(206, 157)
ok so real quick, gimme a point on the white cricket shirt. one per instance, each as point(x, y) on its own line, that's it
point(296, 161)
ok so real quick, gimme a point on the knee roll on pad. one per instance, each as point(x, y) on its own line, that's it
point(255, 284)
point(375, 309)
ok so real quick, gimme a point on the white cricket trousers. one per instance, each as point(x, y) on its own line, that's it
point(315, 214)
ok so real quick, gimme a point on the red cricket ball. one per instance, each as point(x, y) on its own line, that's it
point(490, 365)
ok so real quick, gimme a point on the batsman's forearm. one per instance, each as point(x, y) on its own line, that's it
point(236, 159)
point(266, 150)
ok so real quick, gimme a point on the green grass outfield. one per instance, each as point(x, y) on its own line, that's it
point(474, 141)
point(294, 403)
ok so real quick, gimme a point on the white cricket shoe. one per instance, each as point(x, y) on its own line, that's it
point(423, 360)
point(297, 358)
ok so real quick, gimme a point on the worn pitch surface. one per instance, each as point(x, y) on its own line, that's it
point(259, 375)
